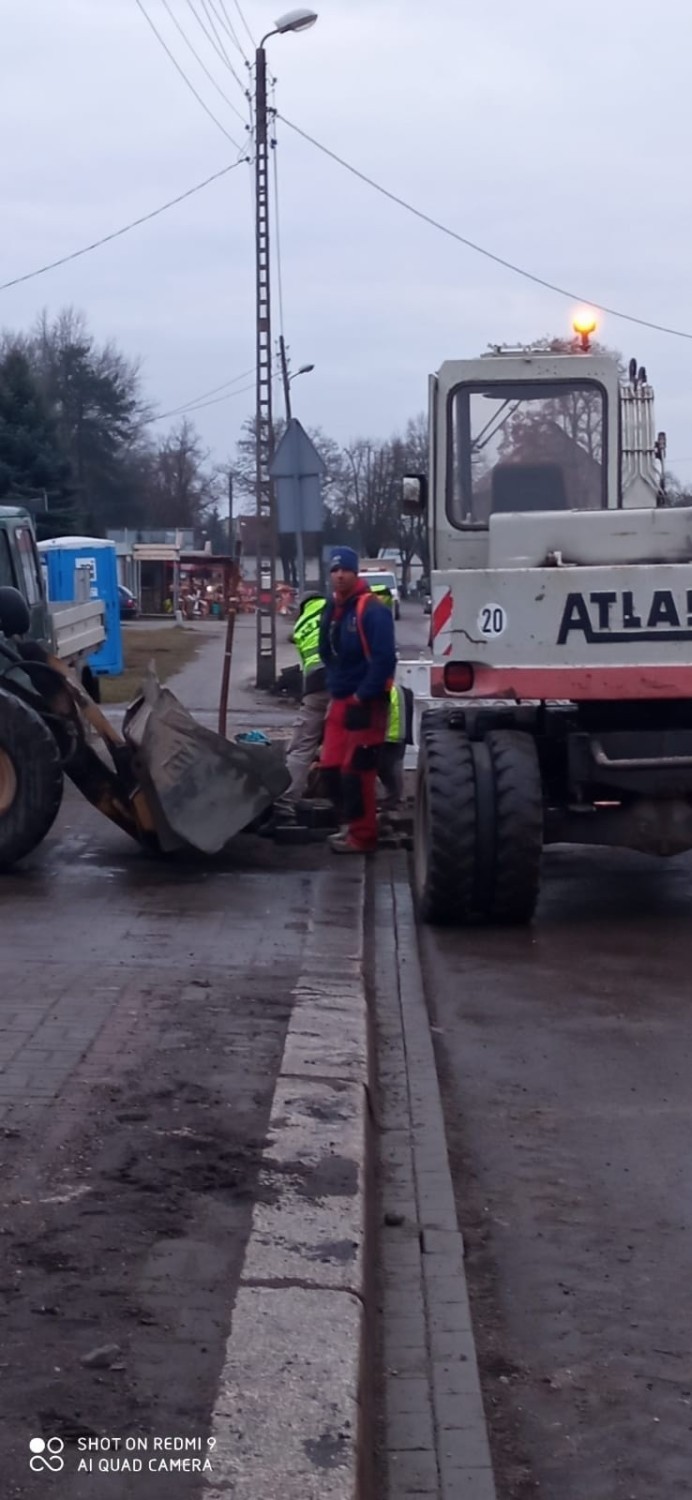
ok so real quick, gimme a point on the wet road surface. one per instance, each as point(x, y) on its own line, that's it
point(143, 1012)
point(565, 1055)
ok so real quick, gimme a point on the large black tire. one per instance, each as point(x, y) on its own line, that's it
point(444, 847)
point(518, 827)
point(31, 782)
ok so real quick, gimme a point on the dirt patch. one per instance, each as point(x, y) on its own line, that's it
point(122, 1231)
point(143, 1256)
point(171, 648)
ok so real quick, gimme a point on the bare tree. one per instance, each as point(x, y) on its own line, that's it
point(182, 487)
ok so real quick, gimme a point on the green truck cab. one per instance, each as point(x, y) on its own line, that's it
point(71, 631)
point(35, 746)
point(20, 568)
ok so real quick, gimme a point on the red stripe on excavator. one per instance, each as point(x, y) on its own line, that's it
point(442, 613)
point(573, 683)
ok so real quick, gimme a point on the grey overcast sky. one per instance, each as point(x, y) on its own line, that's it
point(557, 136)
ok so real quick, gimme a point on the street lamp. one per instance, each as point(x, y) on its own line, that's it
point(294, 20)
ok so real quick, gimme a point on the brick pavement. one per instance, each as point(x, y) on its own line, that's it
point(143, 1010)
point(91, 908)
point(92, 920)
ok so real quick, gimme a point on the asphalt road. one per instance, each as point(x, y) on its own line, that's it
point(565, 1055)
point(412, 630)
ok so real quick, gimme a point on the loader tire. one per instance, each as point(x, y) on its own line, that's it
point(444, 843)
point(518, 827)
point(31, 781)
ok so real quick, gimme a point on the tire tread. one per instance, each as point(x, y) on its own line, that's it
point(519, 826)
point(447, 764)
point(36, 759)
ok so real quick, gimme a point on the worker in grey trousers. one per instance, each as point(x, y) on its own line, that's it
point(307, 733)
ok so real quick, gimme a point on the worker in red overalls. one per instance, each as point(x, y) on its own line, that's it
point(358, 650)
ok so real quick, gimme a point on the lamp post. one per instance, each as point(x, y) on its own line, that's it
point(294, 20)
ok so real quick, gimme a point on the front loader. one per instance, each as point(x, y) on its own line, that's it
point(561, 629)
point(169, 783)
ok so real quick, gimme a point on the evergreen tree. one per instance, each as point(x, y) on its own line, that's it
point(33, 462)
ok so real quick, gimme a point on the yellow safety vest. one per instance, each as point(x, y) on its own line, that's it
point(306, 636)
point(382, 593)
point(396, 719)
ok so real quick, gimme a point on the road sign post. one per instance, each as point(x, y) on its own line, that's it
point(297, 471)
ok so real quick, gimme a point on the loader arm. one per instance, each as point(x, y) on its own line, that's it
point(166, 781)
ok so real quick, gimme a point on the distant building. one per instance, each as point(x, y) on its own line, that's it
point(245, 531)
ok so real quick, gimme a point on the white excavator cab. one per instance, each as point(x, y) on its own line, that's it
point(561, 627)
point(528, 432)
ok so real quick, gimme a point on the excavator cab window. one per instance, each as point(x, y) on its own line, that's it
point(528, 487)
point(529, 446)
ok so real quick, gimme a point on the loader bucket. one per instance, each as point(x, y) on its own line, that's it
point(202, 790)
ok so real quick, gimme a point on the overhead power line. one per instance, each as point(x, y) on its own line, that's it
point(183, 411)
point(217, 44)
point(184, 76)
point(212, 17)
point(242, 17)
point(186, 405)
point(116, 233)
point(226, 24)
point(199, 405)
point(202, 63)
point(500, 260)
point(393, 197)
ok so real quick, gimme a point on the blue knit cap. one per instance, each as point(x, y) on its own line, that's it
point(343, 557)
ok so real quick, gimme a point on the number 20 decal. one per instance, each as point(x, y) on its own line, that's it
point(492, 620)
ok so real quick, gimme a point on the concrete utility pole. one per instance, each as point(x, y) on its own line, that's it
point(264, 435)
point(295, 20)
point(285, 377)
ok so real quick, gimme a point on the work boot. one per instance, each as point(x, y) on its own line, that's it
point(388, 813)
point(282, 815)
point(342, 843)
point(391, 805)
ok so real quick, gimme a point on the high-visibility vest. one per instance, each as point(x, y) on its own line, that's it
point(383, 593)
point(396, 717)
point(306, 636)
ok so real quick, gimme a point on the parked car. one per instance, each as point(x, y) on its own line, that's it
point(386, 580)
point(129, 608)
point(425, 594)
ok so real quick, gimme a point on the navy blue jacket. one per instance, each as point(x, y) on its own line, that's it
point(348, 669)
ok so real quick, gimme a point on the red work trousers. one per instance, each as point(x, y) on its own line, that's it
point(353, 752)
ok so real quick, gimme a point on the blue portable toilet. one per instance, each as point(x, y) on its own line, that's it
point(64, 559)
